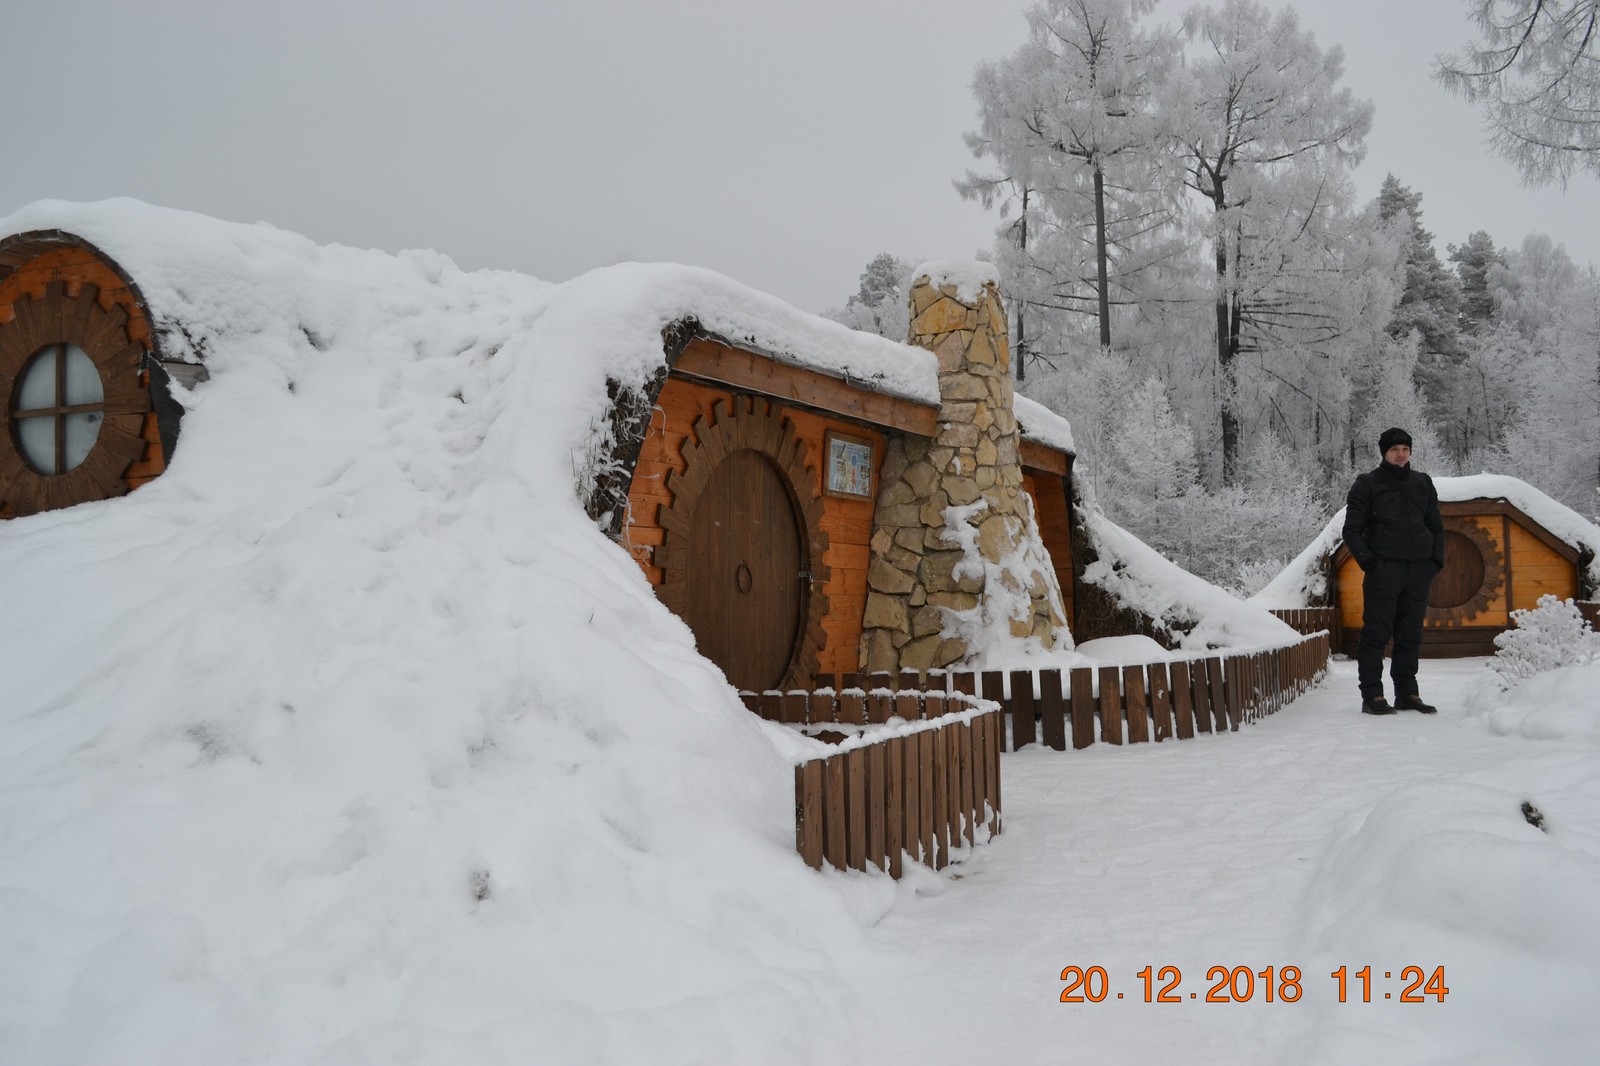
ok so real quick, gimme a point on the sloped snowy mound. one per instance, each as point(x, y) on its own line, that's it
point(1452, 874)
point(1302, 582)
point(1195, 612)
point(350, 738)
point(1554, 705)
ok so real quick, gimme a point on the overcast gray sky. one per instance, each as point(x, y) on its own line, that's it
point(783, 144)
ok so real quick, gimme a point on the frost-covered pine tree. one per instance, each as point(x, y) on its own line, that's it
point(880, 303)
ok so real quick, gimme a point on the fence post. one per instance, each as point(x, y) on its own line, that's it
point(808, 812)
point(894, 830)
point(856, 807)
point(1022, 731)
point(877, 806)
point(1182, 700)
point(833, 843)
point(1160, 701)
point(1219, 696)
point(1110, 706)
point(1052, 710)
point(1081, 682)
point(1138, 713)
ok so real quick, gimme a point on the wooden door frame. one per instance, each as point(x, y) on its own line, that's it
point(749, 423)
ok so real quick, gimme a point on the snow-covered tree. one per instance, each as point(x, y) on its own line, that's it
point(1535, 69)
point(1268, 132)
point(880, 303)
point(1386, 395)
point(1551, 311)
point(1070, 124)
point(1472, 263)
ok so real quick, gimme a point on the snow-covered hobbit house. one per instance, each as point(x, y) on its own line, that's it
point(809, 515)
point(811, 500)
point(1506, 545)
point(793, 510)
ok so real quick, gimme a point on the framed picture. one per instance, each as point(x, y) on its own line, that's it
point(849, 472)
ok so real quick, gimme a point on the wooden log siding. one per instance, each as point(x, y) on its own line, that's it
point(1132, 704)
point(921, 795)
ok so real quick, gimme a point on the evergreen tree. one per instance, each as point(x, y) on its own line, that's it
point(1473, 261)
point(1430, 299)
point(880, 303)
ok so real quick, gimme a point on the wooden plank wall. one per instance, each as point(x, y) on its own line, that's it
point(914, 797)
point(1055, 527)
point(1537, 569)
point(75, 266)
point(848, 523)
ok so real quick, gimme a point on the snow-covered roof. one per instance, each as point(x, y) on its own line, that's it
point(1043, 426)
point(204, 280)
point(1198, 613)
point(1302, 581)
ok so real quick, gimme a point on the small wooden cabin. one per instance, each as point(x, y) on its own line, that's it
point(86, 410)
point(758, 498)
point(1498, 558)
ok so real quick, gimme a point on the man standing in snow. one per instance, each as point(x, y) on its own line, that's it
point(1393, 529)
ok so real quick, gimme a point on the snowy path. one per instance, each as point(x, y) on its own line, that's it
point(1194, 854)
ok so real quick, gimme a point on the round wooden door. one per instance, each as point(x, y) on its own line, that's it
point(745, 593)
point(1462, 575)
point(1472, 575)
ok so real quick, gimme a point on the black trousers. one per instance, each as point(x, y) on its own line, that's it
point(1395, 597)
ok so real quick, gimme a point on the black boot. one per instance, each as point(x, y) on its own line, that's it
point(1376, 705)
point(1414, 702)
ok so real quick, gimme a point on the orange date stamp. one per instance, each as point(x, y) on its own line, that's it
point(1242, 984)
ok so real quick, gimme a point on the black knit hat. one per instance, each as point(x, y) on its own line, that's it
point(1390, 438)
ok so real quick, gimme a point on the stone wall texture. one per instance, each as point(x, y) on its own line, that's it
point(933, 591)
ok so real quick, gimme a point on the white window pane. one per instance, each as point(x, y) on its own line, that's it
point(82, 431)
point(36, 437)
point(37, 388)
point(83, 380)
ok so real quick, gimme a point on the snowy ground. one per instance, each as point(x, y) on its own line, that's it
point(1316, 838)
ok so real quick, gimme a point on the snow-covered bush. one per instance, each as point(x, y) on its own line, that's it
point(1551, 635)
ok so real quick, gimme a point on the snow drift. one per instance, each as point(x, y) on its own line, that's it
point(351, 739)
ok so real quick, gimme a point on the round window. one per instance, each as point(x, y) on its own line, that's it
point(57, 407)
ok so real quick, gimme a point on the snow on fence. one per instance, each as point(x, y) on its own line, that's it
point(929, 782)
point(913, 790)
point(1141, 703)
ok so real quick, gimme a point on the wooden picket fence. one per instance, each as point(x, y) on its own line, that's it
point(1136, 704)
point(914, 790)
point(930, 783)
point(1309, 620)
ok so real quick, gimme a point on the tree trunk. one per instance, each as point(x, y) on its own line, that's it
point(1227, 346)
point(1021, 349)
point(1100, 255)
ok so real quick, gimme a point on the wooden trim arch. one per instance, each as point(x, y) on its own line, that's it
point(64, 316)
point(1494, 572)
point(751, 424)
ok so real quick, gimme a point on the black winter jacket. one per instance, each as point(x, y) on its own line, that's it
point(1393, 513)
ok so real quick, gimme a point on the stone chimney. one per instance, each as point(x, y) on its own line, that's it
point(938, 590)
